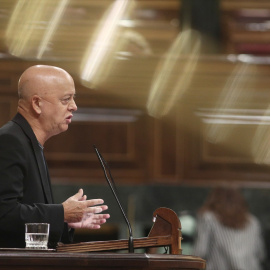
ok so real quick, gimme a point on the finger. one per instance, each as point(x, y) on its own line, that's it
point(104, 207)
point(94, 202)
point(78, 195)
point(83, 198)
point(102, 216)
point(97, 222)
point(97, 216)
point(96, 209)
point(93, 226)
point(94, 222)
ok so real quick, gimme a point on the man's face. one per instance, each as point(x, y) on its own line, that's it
point(57, 106)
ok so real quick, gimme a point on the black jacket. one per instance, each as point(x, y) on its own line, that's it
point(25, 189)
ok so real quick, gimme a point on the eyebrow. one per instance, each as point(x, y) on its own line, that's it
point(69, 95)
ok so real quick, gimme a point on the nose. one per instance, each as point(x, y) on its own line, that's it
point(72, 106)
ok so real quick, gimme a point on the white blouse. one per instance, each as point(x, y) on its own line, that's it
point(226, 248)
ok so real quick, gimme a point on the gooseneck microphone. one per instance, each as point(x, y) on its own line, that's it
point(104, 165)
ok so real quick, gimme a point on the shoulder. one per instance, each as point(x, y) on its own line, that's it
point(12, 136)
point(18, 128)
point(13, 125)
point(10, 130)
point(253, 221)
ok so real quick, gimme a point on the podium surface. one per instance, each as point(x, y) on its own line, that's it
point(49, 260)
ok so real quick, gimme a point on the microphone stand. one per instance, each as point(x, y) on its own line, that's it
point(102, 162)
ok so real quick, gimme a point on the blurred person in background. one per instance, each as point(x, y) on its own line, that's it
point(228, 237)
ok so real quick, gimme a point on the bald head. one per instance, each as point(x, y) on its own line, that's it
point(37, 80)
point(46, 100)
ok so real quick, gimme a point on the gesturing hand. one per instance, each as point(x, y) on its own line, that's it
point(82, 213)
point(90, 221)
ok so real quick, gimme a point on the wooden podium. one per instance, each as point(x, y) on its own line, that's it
point(166, 231)
point(31, 260)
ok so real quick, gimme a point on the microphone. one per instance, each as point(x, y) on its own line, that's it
point(103, 163)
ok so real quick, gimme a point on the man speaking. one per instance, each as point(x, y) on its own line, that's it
point(45, 108)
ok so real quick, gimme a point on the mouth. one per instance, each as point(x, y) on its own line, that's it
point(69, 118)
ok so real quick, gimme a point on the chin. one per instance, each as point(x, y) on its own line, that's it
point(64, 128)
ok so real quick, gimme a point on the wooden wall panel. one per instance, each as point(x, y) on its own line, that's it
point(121, 143)
point(223, 152)
point(165, 149)
point(234, 146)
point(7, 109)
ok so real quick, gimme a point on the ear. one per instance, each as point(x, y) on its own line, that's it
point(36, 104)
